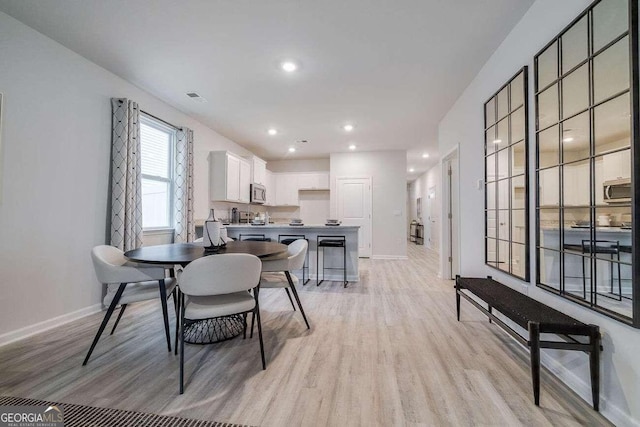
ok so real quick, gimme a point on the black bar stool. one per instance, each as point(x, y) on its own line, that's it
point(254, 238)
point(288, 239)
point(331, 242)
point(605, 247)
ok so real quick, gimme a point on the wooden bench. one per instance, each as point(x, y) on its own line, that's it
point(538, 319)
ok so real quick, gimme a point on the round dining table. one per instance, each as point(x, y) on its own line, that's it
point(210, 330)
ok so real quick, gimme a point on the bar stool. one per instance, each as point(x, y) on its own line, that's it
point(331, 242)
point(254, 238)
point(606, 247)
point(288, 239)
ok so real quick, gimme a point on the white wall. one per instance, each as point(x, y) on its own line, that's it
point(420, 188)
point(463, 124)
point(56, 143)
point(387, 170)
point(298, 165)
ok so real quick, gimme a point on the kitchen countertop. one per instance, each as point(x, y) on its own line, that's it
point(304, 227)
point(586, 230)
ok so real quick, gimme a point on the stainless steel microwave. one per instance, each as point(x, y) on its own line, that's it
point(258, 194)
point(617, 191)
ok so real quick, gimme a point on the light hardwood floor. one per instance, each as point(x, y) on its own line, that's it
point(385, 351)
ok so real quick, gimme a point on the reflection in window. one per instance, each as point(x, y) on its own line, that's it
point(584, 163)
point(506, 188)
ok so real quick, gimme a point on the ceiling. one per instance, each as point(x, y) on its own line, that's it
point(391, 68)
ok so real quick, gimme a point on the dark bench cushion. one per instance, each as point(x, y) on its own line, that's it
point(517, 306)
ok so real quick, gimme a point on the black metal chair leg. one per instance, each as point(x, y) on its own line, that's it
point(107, 316)
point(257, 315)
point(289, 295)
point(115, 325)
point(177, 297)
point(344, 264)
point(318, 265)
point(182, 344)
point(295, 294)
point(163, 302)
point(244, 326)
point(253, 321)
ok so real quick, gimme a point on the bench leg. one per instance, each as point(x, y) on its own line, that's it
point(534, 343)
point(594, 367)
point(490, 311)
point(458, 304)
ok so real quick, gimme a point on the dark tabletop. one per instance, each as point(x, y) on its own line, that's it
point(184, 253)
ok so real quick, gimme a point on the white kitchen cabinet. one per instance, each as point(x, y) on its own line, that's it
point(229, 177)
point(271, 189)
point(577, 186)
point(616, 166)
point(258, 170)
point(245, 181)
point(313, 181)
point(286, 185)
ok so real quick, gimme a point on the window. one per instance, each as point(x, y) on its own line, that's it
point(157, 142)
point(506, 183)
point(586, 134)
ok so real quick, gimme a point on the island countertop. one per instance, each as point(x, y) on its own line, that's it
point(287, 226)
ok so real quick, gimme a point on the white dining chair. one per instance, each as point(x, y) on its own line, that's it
point(128, 282)
point(215, 286)
point(276, 272)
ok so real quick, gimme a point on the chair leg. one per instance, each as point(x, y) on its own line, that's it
point(253, 321)
point(182, 344)
point(244, 325)
point(177, 298)
point(115, 325)
point(318, 265)
point(107, 316)
point(295, 294)
point(344, 264)
point(257, 315)
point(290, 300)
point(163, 301)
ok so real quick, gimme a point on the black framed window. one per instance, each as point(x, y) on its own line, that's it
point(506, 178)
point(586, 86)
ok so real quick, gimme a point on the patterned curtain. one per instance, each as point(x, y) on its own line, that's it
point(184, 226)
point(126, 182)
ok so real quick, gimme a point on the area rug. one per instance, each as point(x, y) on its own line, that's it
point(89, 416)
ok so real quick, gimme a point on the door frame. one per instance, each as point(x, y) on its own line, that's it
point(370, 179)
point(447, 237)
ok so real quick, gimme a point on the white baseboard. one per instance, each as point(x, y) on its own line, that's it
point(583, 389)
point(389, 257)
point(39, 327)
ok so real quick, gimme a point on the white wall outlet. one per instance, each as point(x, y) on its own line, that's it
point(479, 184)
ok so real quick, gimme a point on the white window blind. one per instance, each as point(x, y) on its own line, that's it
point(156, 143)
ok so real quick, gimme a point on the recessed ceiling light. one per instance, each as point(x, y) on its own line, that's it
point(352, 147)
point(425, 156)
point(497, 141)
point(567, 139)
point(272, 131)
point(348, 127)
point(292, 149)
point(411, 170)
point(289, 66)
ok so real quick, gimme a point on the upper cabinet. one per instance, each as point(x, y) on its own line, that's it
point(271, 188)
point(286, 186)
point(258, 170)
point(229, 177)
point(313, 181)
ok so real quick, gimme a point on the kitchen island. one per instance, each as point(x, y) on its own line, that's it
point(332, 256)
point(574, 276)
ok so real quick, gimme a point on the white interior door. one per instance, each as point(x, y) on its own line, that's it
point(354, 208)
